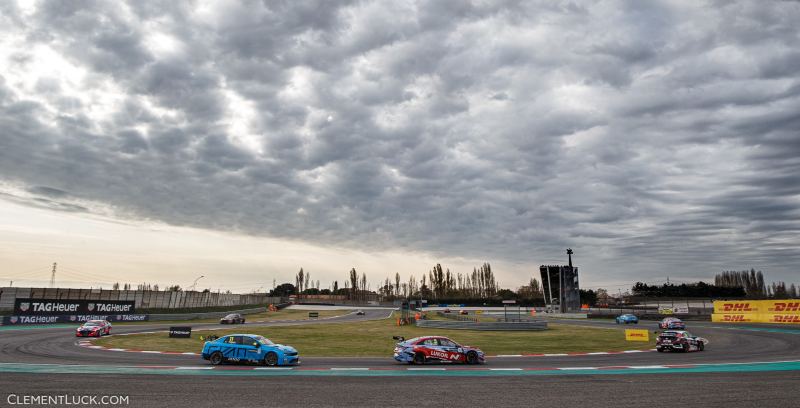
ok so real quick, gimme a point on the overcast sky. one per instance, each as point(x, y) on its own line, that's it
point(164, 140)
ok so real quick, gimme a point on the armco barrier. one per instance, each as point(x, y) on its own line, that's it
point(209, 315)
point(465, 325)
point(757, 311)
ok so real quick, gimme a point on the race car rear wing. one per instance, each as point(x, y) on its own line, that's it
point(399, 339)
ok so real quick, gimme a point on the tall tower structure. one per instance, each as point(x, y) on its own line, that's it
point(560, 286)
point(53, 276)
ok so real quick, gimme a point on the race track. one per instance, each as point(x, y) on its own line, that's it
point(742, 366)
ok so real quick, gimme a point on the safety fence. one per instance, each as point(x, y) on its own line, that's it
point(144, 299)
point(757, 311)
point(468, 325)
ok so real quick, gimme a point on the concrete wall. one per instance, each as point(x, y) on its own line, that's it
point(145, 299)
point(209, 315)
point(467, 325)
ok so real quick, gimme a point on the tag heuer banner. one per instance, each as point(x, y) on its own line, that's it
point(80, 318)
point(50, 307)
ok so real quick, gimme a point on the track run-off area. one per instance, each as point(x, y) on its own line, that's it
point(736, 348)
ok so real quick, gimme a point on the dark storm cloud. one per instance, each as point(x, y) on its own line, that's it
point(648, 136)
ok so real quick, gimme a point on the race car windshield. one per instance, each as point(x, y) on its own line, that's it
point(263, 340)
point(91, 324)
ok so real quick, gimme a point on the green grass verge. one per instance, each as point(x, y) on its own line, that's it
point(374, 339)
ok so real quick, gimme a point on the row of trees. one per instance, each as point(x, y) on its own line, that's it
point(443, 286)
point(751, 281)
point(438, 285)
point(753, 284)
point(699, 290)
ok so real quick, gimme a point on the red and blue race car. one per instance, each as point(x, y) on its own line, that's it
point(93, 328)
point(672, 323)
point(421, 350)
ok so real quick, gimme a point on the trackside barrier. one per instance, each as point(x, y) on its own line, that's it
point(210, 315)
point(9, 320)
point(467, 325)
point(757, 311)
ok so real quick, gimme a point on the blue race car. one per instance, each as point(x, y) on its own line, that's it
point(627, 318)
point(249, 348)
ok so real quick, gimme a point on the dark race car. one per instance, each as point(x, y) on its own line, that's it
point(679, 340)
point(672, 323)
point(233, 318)
point(93, 328)
point(420, 350)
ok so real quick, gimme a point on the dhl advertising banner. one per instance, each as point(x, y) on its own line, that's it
point(737, 306)
point(734, 318)
point(757, 311)
point(637, 335)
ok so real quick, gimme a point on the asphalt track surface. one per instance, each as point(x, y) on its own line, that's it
point(743, 366)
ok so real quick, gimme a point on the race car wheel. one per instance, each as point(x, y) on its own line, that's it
point(271, 359)
point(419, 358)
point(701, 346)
point(660, 349)
point(472, 357)
point(216, 358)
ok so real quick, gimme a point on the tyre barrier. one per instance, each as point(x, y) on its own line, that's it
point(467, 325)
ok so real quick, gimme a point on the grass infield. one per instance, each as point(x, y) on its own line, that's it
point(374, 339)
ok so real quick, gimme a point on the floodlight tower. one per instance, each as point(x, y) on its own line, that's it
point(569, 254)
point(53, 276)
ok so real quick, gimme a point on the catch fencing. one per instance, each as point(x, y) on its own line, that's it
point(144, 299)
point(650, 307)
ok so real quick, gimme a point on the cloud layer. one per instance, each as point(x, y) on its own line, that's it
point(653, 138)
